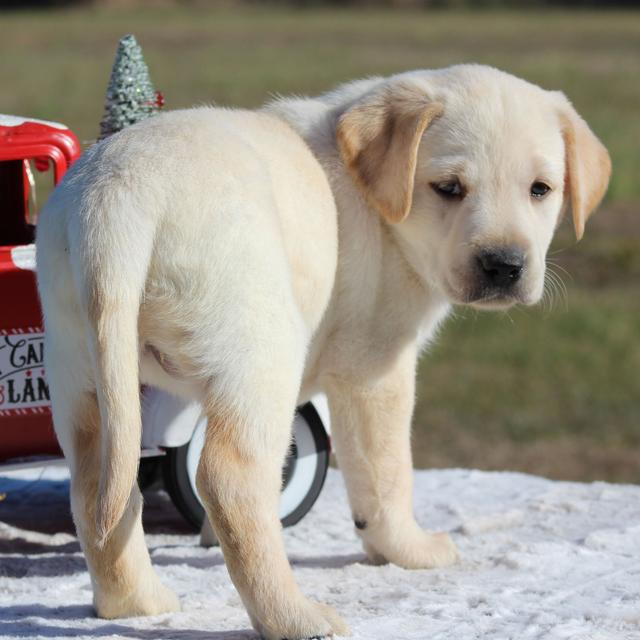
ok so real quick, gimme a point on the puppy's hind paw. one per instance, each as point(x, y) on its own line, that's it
point(150, 602)
point(338, 626)
point(308, 621)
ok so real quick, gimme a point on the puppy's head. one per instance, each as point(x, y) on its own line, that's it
point(472, 168)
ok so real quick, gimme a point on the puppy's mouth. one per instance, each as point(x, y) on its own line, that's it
point(487, 298)
point(494, 301)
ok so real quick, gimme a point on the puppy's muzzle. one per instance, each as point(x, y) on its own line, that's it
point(499, 268)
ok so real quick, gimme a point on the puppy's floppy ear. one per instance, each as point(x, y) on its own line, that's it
point(378, 139)
point(588, 166)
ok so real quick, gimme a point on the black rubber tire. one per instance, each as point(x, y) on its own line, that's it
point(179, 488)
point(150, 474)
point(323, 448)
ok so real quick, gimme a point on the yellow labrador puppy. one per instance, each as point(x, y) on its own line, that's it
point(250, 259)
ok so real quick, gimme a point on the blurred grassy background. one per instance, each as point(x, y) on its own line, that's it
point(553, 390)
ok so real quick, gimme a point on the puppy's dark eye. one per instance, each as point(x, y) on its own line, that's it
point(449, 189)
point(539, 189)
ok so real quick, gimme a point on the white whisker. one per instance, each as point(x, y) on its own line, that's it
point(556, 283)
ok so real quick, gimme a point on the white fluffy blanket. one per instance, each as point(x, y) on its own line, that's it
point(540, 559)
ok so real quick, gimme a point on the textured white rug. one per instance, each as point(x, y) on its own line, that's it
point(540, 559)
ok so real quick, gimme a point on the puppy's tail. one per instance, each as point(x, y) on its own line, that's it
point(113, 269)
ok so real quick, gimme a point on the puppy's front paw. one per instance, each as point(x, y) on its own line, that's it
point(416, 550)
point(304, 621)
point(434, 550)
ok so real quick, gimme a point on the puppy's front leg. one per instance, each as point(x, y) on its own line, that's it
point(239, 478)
point(370, 426)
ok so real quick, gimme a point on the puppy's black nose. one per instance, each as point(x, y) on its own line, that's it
point(501, 267)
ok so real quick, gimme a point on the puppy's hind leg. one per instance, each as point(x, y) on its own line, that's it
point(124, 582)
point(239, 478)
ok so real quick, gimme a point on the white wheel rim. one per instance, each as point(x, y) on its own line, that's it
point(300, 481)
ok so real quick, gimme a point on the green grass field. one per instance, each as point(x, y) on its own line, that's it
point(553, 390)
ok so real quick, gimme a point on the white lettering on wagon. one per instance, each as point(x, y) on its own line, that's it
point(22, 379)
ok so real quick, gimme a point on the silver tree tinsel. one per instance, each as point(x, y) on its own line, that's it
point(131, 96)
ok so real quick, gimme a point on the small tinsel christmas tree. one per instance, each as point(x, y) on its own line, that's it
point(131, 96)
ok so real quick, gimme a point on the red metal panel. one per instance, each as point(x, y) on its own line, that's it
point(25, 414)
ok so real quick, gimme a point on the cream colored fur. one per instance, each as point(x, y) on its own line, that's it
point(251, 259)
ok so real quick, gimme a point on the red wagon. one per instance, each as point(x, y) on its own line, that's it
point(25, 414)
